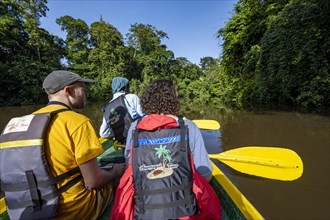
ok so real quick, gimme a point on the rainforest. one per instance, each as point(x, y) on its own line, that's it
point(275, 55)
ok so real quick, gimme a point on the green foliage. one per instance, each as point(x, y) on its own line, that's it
point(275, 54)
point(293, 62)
point(105, 58)
point(24, 79)
point(77, 42)
point(152, 57)
point(27, 52)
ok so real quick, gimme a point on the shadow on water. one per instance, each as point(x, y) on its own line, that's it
point(306, 134)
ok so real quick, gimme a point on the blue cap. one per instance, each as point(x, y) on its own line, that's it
point(119, 84)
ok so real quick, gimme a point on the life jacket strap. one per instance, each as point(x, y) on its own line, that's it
point(183, 131)
point(139, 197)
point(42, 199)
point(140, 192)
point(59, 103)
point(52, 181)
point(189, 200)
point(135, 134)
point(34, 192)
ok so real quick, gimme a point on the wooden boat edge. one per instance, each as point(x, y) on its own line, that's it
point(241, 202)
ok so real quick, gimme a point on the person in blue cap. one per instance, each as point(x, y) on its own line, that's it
point(120, 112)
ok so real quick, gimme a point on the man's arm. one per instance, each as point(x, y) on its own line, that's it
point(95, 177)
point(105, 130)
point(201, 158)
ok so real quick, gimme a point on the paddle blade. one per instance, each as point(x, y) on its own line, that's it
point(102, 140)
point(207, 124)
point(268, 162)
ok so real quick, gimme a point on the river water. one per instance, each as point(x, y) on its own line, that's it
point(306, 134)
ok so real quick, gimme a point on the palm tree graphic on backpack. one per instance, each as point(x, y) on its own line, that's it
point(162, 171)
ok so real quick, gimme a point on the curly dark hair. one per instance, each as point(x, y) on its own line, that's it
point(160, 97)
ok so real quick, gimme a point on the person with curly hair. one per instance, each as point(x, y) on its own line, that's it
point(168, 165)
point(160, 101)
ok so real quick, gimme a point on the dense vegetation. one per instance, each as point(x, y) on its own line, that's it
point(275, 54)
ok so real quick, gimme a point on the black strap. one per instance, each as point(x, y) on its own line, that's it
point(140, 204)
point(59, 103)
point(183, 132)
point(58, 111)
point(124, 96)
point(34, 191)
point(25, 186)
point(57, 192)
point(59, 178)
point(135, 134)
point(140, 192)
point(135, 138)
point(63, 188)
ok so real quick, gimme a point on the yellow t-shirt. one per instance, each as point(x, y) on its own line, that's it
point(71, 140)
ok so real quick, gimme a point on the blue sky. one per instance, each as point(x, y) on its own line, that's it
point(190, 25)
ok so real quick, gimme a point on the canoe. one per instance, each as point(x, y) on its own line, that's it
point(234, 204)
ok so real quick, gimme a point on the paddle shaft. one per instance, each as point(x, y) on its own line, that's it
point(249, 160)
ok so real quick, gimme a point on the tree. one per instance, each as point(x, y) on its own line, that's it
point(294, 65)
point(33, 10)
point(27, 52)
point(152, 58)
point(207, 63)
point(106, 58)
point(77, 42)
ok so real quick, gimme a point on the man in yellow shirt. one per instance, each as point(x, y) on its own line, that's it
point(71, 141)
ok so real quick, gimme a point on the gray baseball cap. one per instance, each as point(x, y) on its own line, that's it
point(59, 79)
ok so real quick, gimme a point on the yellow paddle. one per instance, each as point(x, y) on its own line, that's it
point(207, 124)
point(269, 162)
point(115, 143)
point(102, 140)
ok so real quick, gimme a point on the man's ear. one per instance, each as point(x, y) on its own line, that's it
point(67, 89)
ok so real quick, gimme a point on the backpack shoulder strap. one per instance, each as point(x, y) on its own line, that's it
point(183, 132)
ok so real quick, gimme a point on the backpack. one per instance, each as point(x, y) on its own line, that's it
point(208, 204)
point(29, 187)
point(162, 173)
point(118, 118)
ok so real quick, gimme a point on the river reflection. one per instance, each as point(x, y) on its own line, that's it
point(306, 134)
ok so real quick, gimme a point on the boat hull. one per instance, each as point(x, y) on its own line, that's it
point(234, 204)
